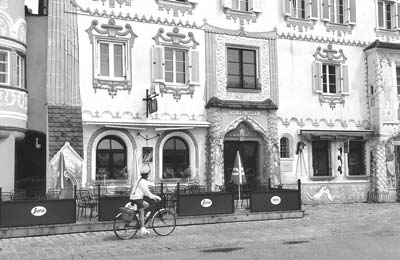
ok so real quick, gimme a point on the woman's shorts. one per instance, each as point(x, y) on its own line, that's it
point(139, 203)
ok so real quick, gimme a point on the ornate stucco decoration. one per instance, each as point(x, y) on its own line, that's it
point(340, 29)
point(177, 6)
point(127, 16)
point(175, 38)
point(387, 35)
point(112, 2)
point(181, 41)
point(321, 39)
point(331, 57)
point(3, 4)
point(112, 32)
point(301, 24)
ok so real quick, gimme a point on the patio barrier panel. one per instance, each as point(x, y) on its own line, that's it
point(108, 206)
point(276, 200)
point(37, 212)
point(205, 203)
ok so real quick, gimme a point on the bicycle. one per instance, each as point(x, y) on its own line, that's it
point(126, 222)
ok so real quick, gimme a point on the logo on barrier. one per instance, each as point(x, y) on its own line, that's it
point(206, 203)
point(38, 211)
point(276, 200)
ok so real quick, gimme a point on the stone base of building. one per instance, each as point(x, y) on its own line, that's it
point(382, 197)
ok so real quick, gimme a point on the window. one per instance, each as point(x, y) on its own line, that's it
point(388, 14)
point(242, 9)
point(329, 78)
point(284, 145)
point(175, 158)
point(320, 158)
point(111, 159)
point(339, 11)
point(242, 69)
point(112, 63)
point(356, 158)
point(175, 65)
point(299, 9)
point(20, 72)
point(4, 67)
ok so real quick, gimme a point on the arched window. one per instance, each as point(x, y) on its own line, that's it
point(284, 144)
point(175, 158)
point(111, 159)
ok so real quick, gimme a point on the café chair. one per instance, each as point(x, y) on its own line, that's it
point(19, 194)
point(6, 196)
point(85, 202)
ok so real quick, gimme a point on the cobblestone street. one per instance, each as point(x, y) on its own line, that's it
point(338, 231)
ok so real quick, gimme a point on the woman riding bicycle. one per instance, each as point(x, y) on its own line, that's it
point(138, 193)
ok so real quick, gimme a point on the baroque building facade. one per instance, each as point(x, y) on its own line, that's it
point(303, 89)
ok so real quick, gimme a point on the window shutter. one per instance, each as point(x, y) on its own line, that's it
point(352, 12)
point(12, 74)
point(286, 7)
point(393, 16)
point(257, 6)
point(380, 15)
point(158, 64)
point(325, 10)
point(398, 15)
point(345, 80)
point(194, 76)
point(314, 9)
point(316, 70)
point(227, 4)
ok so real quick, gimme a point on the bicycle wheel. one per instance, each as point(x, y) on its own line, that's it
point(163, 222)
point(125, 229)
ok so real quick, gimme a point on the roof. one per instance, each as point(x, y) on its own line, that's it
point(383, 45)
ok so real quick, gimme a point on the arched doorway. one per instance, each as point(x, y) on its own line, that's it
point(250, 146)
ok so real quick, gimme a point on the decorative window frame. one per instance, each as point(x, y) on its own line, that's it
point(112, 2)
point(258, 81)
point(177, 6)
point(249, 16)
point(330, 56)
point(349, 17)
point(92, 147)
point(311, 15)
point(175, 40)
point(192, 154)
point(111, 33)
point(290, 145)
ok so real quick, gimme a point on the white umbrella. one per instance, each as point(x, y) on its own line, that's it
point(238, 177)
point(61, 170)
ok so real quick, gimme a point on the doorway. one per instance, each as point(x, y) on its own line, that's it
point(249, 153)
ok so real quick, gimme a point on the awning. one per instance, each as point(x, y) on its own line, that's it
point(335, 134)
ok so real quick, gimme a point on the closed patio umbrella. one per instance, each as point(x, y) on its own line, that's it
point(238, 177)
point(60, 172)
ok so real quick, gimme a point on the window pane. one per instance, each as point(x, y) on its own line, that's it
point(179, 144)
point(3, 67)
point(388, 17)
point(170, 144)
point(180, 55)
point(233, 55)
point(119, 159)
point(168, 54)
point(118, 59)
point(320, 154)
point(249, 82)
point(284, 145)
point(356, 160)
point(3, 56)
point(249, 69)
point(233, 68)
point(104, 59)
point(248, 56)
point(169, 76)
point(180, 77)
point(233, 81)
point(169, 65)
point(116, 145)
point(180, 66)
point(104, 144)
